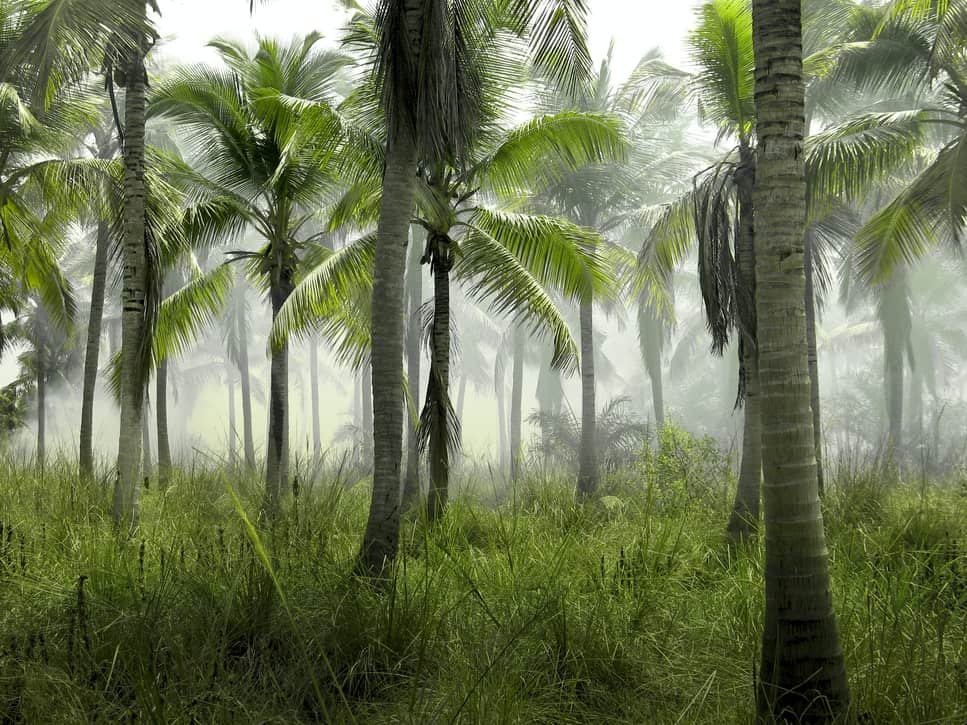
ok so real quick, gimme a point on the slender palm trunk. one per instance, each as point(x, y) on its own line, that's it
point(744, 520)
point(802, 675)
point(894, 314)
point(381, 539)
point(232, 434)
point(587, 456)
point(93, 350)
point(501, 393)
point(161, 413)
point(549, 398)
point(461, 397)
point(314, 403)
point(438, 406)
point(134, 295)
point(658, 399)
point(41, 406)
point(245, 380)
point(812, 353)
point(414, 284)
point(516, 405)
point(277, 448)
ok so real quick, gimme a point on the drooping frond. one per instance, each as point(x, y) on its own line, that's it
point(187, 312)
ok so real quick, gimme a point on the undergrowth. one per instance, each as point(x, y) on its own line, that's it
point(537, 610)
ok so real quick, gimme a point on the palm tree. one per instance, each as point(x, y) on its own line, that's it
point(802, 674)
point(259, 165)
point(425, 65)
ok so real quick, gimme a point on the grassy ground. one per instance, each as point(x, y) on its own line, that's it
point(533, 611)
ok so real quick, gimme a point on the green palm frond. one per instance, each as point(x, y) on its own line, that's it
point(319, 300)
point(185, 314)
point(539, 153)
point(497, 277)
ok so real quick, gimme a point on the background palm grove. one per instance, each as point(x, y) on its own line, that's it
point(440, 371)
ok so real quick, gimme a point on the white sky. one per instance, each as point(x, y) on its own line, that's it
point(637, 27)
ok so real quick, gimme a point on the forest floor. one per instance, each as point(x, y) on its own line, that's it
point(534, 610)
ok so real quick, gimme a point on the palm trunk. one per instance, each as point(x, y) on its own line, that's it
point(161, 413)
point(549, 396)
point(414, 284)
point(381, 539)
point(146, 460)
point(246, 385)
point(134, 295)
point(93, 350)
point(461, 397)
point(894, 316)
point(587, 456)
point(802, 674)
point(501, 393)
point(41, 406)
point(314, 403)
point(812, 353)
point(744, 520)
point(516, 404)
point(438, 406)
point(277, 448)
point(658, 398)
point(232, 442)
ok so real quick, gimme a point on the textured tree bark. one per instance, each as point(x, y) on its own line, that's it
point(133, 294)
point(516, 404)
point(414, 284)
point(161, 413)
point(812, 353)
point(587, 457)
point(93, 350)
point(438, 391)
point(277, 448)
point(381, 540)
point(146, 460)
point(744, 520)
point(245, 380)
point(314, 393)
point(802, 675)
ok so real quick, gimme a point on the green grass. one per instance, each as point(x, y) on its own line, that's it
point(534, 611)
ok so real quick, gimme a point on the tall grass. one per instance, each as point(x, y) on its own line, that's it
point(536, 610)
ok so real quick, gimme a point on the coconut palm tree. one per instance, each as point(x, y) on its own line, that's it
point(258, 164)
point(802, 674)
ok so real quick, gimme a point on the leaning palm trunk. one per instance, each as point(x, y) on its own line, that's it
point(744, 519)
point(161, 414)
point(277, 450)
point(414, 284)
point(134, 296)
point(516, 405)
point(812, 354)
point(381, 539)
point(587, 456)
point(802, 675)
point(93, 350)
point(436, 418)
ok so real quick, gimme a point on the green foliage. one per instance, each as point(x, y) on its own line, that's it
point(688, 467)
point(537, 610)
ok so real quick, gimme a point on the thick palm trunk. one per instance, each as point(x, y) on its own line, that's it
point(146, 460)
point(438, 391)
point(93, 350)
point(812, 354)
point(245, 380)
point(414, 284)
point(232, 435)
point(894, 316)
point(744, 519)
point(587, 456)
point(381, 539)
point(161, 413)
point(41, 406)
point(516, 404)
point(658, 399)
point(277, 448)
point(802, 675)
point(134, 296)
point(314, 393)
